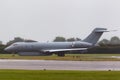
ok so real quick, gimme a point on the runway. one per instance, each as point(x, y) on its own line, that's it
point(59, 65)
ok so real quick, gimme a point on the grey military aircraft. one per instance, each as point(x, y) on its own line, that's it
point(58, 48)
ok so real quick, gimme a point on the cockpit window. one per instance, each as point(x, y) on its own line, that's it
point(15, 44)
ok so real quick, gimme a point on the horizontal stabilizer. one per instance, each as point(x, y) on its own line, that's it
point(102, 31)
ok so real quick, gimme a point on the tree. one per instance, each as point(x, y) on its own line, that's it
point(0, 42)
point(104, 42)
point(29, 40)
point(78, 39)
point(19, 39)
point(59, 39)
point(16, 39)
point(71, 39)
point(115, 40)
point(2, 47)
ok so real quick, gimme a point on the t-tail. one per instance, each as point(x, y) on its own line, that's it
point(95, 35)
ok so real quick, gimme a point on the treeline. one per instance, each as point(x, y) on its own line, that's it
point(62, 39)
point(107, 46)
point(105, 50)
point(104, 46)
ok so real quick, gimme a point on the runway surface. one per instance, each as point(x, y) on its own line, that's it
point(59, 65)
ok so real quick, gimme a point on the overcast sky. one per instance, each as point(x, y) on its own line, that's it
point(43, 20)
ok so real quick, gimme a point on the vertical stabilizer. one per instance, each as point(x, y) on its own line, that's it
point(95, 35)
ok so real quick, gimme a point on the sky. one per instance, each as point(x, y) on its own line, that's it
point(43, 20)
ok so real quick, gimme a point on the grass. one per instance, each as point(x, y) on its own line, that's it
point(69, 57)
point(58, 75)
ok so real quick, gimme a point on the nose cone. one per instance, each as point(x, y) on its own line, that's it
point(7, 49)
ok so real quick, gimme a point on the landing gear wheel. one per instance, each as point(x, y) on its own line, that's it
point(61, 54)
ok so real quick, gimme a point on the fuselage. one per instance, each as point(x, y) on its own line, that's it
point(37, 46)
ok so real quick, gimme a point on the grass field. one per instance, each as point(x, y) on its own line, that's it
point(58, 75)
point(75, 57)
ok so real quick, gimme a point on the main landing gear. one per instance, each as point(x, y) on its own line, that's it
point(61, 54)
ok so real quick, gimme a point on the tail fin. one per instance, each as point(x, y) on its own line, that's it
point(95, 35)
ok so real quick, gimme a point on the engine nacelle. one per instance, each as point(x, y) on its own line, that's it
point(81, 44)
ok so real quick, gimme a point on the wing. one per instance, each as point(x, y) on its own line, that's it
point(65, 50)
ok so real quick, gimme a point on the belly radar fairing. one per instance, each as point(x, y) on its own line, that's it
point(59, 48)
